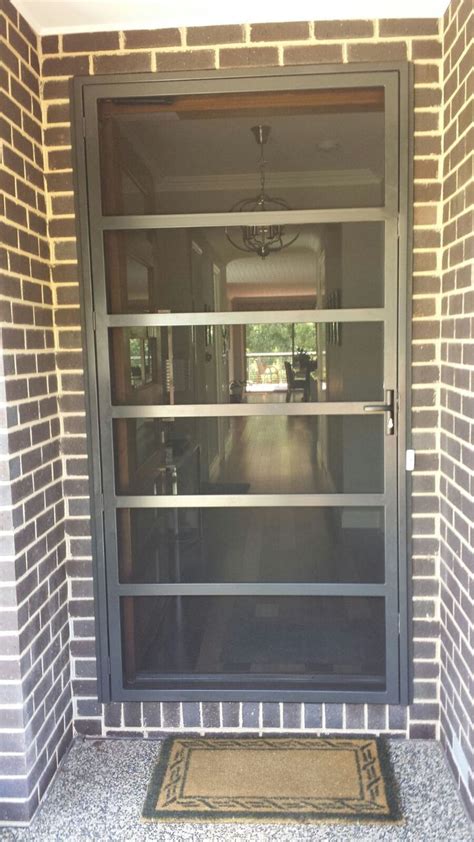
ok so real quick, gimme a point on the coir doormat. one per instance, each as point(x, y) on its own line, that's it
point(277, 779)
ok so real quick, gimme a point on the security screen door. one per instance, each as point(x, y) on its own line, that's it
point(243, 384)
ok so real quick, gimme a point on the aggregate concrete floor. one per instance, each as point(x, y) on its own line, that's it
point(100, 787)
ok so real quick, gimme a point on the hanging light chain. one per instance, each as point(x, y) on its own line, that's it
point(261, 239)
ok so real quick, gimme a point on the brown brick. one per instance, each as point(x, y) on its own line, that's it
point(410, 26)
point(10, 60)
point(63, 227)
point(4, 79)
point(313, 53)
point(427, 145)
point(426, 121)
point(9, 109)
point(426, 168)
point(60, 159)
point(13, 161)
point(28, 32)
point(62, 204)
point(8, 235)
point(30, 80)
point(65, 250)
point(18, 43)
point(343, 29)
point(248, 57)
point(295, 31)
point(426, 49)
point(59, 182)
point(5, 130)
point(152, 38)
point(15, 213)
point(56, 89)
point(203, 36)
point(129, 63)
point(427, 97)
point(22, 145)
point(90, 42)
point(57, 136)
point(20, 94)
point(34, 61)
point(49, 44)
point(391, 51)
point(195, 60)
point(59, 113)
point(426, 73)
point(66, 66)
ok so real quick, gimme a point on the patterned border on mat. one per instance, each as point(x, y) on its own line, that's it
point(151, 814)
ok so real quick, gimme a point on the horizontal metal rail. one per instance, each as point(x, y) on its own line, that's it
point(208, 501)
point(239, 218)
point(253, 589)
point(361, 314)
point(239, 409)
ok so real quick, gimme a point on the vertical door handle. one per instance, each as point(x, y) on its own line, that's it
point(388, 408)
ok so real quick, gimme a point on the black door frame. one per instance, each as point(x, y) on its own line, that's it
point(397, 211)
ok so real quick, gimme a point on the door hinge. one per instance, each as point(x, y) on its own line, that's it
point(108, 665)
point(100, 501)
point(399, 625)
point(94, 321)
point(83, 127)
point(398, 227)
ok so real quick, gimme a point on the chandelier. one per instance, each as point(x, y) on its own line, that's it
point(261, 239)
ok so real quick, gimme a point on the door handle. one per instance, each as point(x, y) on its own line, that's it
point(388, 408)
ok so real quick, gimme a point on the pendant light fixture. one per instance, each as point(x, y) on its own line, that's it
point(261, 239)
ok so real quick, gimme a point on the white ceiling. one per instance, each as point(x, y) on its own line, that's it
point(179, 150)
point(60, 16)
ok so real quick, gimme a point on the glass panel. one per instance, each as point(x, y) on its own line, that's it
point(334, 641)
point(247, 363)
point(200, 269)
point(195, 154)
point(280, 544)
point(253, 455)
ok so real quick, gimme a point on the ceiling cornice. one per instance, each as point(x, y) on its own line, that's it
point(284, 180)
point(48, 17)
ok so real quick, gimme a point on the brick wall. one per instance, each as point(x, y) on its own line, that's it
point(457, 399)
point(42, 424)
point(223, 47)
point(35, 707)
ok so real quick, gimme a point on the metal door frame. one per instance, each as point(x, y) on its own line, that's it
point(396, 214)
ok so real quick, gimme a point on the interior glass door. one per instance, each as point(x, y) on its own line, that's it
point(246, 401)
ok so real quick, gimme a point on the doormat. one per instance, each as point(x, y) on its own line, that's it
point(272, 780)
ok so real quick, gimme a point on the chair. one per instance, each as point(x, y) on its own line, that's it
point(294, 384)
point(261, 370)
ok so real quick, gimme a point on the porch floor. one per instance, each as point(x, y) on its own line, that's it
point(99, 791)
